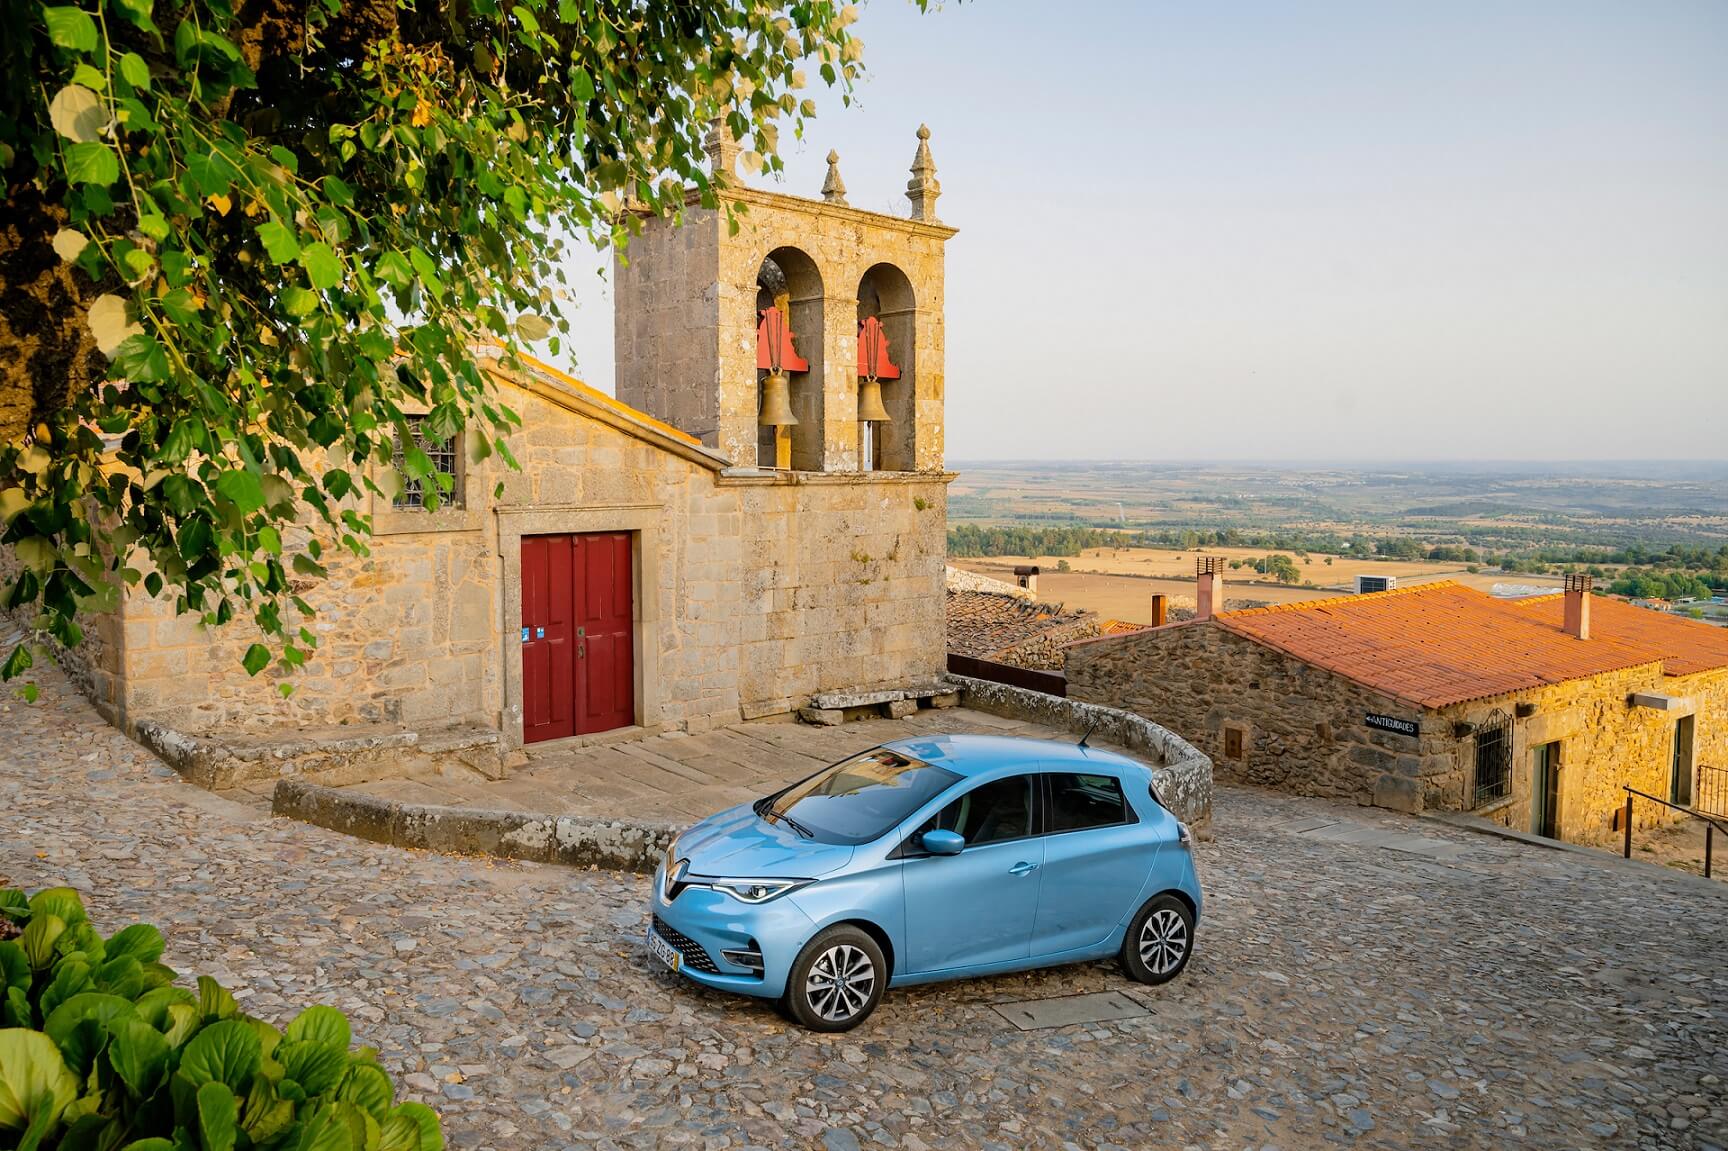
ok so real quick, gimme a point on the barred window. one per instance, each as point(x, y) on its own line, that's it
point(446, 460)
point(1493, 760)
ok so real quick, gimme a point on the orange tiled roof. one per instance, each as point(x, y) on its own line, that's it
point(1683, 645)
point(1441, 643)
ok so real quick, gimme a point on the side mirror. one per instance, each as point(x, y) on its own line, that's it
point(943, 842)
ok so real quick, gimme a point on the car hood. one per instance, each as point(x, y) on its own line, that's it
point(739, 844)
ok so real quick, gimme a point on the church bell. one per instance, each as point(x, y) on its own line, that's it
point(777, 402)
point(870, 401)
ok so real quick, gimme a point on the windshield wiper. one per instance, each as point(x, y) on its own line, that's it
point(765, 808)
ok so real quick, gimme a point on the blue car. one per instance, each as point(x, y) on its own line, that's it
point(923, 860)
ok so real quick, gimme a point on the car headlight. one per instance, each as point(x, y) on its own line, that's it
point(757, 890)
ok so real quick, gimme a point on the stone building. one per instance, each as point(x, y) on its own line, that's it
point(1535, 713)
point(648, 566)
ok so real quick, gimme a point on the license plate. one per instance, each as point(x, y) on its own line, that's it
point(664, 951)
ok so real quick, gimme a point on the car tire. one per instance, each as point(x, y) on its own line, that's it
point(836, 981)
point(1159, 941)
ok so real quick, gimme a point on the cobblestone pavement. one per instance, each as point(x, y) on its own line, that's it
point(677, 777)
point(1428, 989)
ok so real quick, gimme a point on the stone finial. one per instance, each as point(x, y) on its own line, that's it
point(923, 188)
point(834, 188)
point(722, 149)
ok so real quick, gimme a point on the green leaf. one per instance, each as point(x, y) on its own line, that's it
point(266, 1114)
point(241, 488)
point(154, 1143)
point(105, 1010)
point(91, 163)
point(256, 659)
point(135, 71)
point(14, 965)
point(431, 1134)
point(39, 937)
point(315, 1065)
point(218, 1117)
point(139, 1055)
point(214, 1001)
point(19, 662)
point(141, 941)
point(35, 1084)
point(279, 241)
point(393, 268)
point(61, 901)
point(297, 301)
point(369, 1088)
point(71, 28)
point(323, 269)
point(428, 272)
point(322, 1024)
point(226, 1051)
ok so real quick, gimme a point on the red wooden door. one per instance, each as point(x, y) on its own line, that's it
point(578, 642)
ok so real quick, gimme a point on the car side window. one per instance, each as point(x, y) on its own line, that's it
point(1078, 802)
point(989, 813)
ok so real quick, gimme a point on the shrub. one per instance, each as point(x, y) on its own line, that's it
point(101, 1051)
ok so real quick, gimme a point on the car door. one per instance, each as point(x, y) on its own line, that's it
point(1096, 859)
point(976, 907)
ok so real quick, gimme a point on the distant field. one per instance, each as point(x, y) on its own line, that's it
point(1119, 583)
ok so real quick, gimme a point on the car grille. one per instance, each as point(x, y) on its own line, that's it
point(695, 955)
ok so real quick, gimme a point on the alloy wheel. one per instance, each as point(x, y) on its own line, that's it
point(840, 983)
point(1163, 941)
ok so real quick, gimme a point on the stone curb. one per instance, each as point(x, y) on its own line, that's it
point(621, 845)
point(1184, 777)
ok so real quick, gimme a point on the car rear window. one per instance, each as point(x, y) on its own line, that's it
point(1078, 802)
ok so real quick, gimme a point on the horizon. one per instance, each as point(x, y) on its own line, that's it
point(1514, 213)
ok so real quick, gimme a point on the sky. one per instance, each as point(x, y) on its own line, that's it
point(1326, 230)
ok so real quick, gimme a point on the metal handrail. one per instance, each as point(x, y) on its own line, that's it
point(1711, 823)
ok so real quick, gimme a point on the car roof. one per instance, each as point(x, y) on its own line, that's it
point(978, 754)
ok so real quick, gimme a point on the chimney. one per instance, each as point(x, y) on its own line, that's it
point(1026, 575)
point(1208, 586)
point(1160, 609)
point(1578, 606)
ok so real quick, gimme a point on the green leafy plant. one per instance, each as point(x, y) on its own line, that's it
point(100, 1050)
point(243, 241)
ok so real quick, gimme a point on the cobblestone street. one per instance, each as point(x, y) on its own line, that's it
point(1431, 989)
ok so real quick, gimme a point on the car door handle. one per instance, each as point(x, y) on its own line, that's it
point(1023, 869)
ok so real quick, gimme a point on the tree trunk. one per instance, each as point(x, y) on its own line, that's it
point(47, 352)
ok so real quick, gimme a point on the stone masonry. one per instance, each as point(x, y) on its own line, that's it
point(1302, 729)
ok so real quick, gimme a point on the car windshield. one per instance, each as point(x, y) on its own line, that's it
point(858, 799)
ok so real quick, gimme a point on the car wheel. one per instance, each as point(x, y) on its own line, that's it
point(1159, 941)
point(837, 980)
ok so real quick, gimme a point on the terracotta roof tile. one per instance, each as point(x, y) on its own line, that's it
point(1684, 645)
point(982, 623)
point(1440, 643)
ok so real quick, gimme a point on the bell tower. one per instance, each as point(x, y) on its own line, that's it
point(809, 339)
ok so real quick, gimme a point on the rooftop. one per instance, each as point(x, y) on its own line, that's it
point(982, 623)
point(1441, 643)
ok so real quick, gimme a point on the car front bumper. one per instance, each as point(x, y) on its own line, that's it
point(704, 924)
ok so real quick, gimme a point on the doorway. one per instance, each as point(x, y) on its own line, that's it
point(1680, 772)
point(578, 635)
point(1545, 791)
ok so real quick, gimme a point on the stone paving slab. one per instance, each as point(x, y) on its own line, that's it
point(1069, 1010)
point(1341, 995)
point(679, 777)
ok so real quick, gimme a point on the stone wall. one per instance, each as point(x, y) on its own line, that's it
point(754, 591)
point(1048, 650)
point(1181, 772)
point(1302, 729)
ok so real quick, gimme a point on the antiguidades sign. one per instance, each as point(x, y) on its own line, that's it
point(1393, 723)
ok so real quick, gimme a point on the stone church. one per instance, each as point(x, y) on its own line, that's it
point(757, 518)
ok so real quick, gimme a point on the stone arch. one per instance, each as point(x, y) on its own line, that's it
point(885, 293)
point(790, 271)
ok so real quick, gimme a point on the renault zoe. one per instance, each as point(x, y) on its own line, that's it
point(929, 859)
